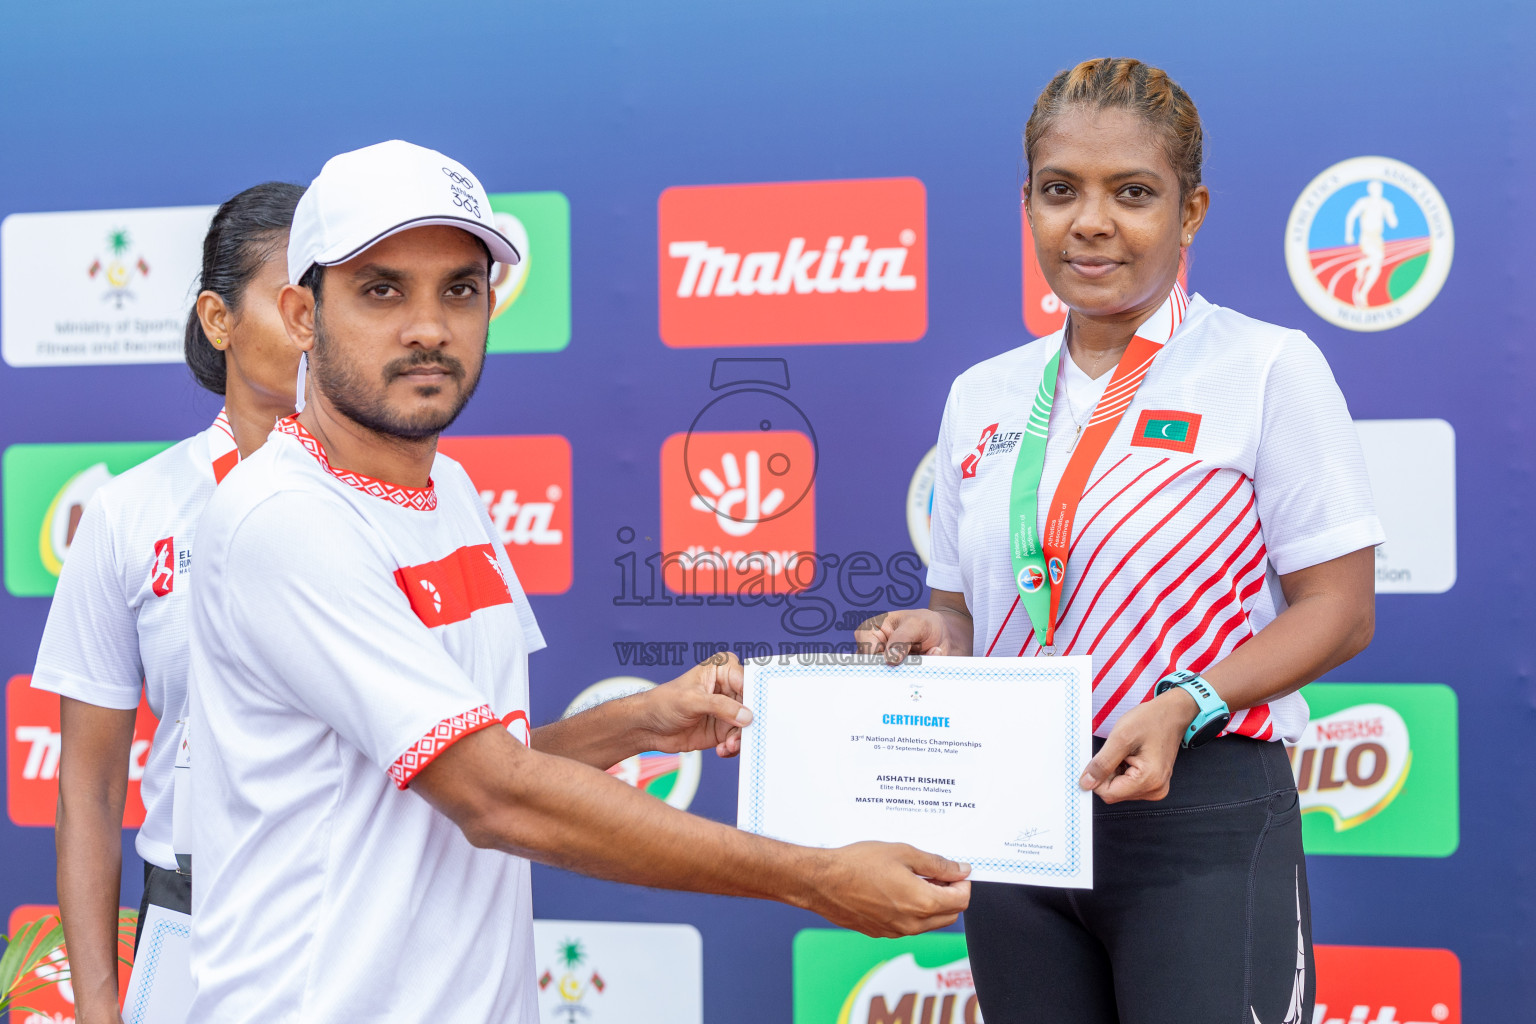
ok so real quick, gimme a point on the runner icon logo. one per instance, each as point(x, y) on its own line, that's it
point(1369, 243)
point(1030, 579)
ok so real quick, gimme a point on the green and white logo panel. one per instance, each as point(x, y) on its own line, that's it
point(46, 488)
point(1377, 770)
point(841, 977)
point(533, 299)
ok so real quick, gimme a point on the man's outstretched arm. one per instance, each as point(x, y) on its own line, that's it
point(505, 796)
point(699, 709)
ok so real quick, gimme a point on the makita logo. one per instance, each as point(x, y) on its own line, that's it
point(525, 522)
point(810, 262)
point(525, 485)
point(1386, 985)
point(711, 270)
point(34, 743)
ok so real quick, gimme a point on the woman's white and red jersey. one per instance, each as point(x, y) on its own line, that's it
point(118, 623)
point(1236, 461)
point(345, 631)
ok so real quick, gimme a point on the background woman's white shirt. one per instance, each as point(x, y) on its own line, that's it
point(118, 623)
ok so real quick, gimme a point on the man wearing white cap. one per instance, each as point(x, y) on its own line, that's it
point(368, 786)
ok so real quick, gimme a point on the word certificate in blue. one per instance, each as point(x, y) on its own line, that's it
point(976, 759)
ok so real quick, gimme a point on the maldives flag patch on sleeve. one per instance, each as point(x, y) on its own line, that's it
point(1166, 428)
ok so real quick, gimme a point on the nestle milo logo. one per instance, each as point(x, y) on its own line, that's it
point(1376, 770)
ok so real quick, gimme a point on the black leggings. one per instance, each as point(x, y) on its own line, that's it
point(1198, 912)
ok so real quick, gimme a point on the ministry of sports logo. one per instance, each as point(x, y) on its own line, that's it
point(1369, 243)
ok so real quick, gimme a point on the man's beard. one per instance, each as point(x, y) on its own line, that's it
point(352, 395)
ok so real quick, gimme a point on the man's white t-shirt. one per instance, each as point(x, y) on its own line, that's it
point(1236, 462)
point(344, 632)
point(118, 622)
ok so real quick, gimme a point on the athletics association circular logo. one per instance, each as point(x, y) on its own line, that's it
point(1031, 579)
point(670, 777)
point(920, 503)
point(1057, 570)
point(1369, 243)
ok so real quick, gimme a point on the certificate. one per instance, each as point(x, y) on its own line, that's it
point(976, 759)
point(160, 989)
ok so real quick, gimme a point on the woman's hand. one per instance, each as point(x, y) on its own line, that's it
point(902, 632)
point(944, 627)
point(1136, 761)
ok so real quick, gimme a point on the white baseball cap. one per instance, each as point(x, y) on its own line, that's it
point(362, 197)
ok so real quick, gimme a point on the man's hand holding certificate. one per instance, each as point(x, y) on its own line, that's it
point(977, 759)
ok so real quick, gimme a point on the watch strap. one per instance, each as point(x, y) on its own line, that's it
point(1213, 714)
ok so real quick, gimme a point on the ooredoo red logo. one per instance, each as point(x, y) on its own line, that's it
point(1384, 985)
point(525, 482)
point(1044, 313)
point(794, 263)
point(738, 512)
point(46, 989)
point(33, 743)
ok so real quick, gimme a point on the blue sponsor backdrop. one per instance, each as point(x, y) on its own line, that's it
point(111, 105)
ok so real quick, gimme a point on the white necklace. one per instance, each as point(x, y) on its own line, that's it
point(1077, 422)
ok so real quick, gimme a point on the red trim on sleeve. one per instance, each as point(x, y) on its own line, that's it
point(438, 739)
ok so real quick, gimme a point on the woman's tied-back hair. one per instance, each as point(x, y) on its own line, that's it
point(1130, 85)
point(244, 234)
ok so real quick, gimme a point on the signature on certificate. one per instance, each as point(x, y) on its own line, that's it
point(1029, 833)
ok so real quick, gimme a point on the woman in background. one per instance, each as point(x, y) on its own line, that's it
point(118, 622)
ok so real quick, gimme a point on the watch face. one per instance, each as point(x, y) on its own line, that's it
point(1209, 731)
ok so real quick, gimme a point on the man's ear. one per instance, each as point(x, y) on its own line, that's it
point(296, 305)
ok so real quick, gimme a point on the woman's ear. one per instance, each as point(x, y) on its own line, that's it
point(215, 317)
point(1195, 206)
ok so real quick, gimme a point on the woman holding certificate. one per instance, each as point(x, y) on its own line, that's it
point(1177, 491)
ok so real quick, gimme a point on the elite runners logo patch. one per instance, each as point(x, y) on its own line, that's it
point(33, 745)
point(1166, 428)
point(163, 576)
point(793, 263)
point(973, 461)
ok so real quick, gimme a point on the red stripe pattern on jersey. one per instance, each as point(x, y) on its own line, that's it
point(422, 499)
point(438, 739)
point(1162, 576)
point(453, 588)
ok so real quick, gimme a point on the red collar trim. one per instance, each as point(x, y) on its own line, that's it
point(223, 453)
point(422, 499)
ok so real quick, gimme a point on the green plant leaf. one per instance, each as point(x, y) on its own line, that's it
point(30, 946)
point(16, 947)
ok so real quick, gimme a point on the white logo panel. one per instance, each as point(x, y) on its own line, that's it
point(598, 972)
point(98, 287)
point(1412, 464)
